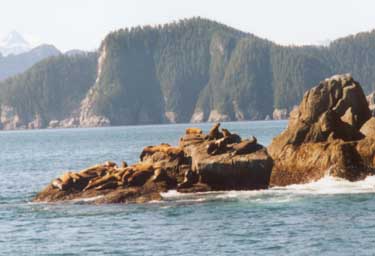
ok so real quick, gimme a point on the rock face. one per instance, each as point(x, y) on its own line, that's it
point(219, 160)
point(280, 114)
point(323, 135)
point(371, 102)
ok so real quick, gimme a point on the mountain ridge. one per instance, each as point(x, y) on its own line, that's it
point(198, 70)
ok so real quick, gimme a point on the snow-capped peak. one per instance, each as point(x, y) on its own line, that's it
point(14, 43)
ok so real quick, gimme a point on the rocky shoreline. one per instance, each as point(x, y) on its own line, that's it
point(331, 132)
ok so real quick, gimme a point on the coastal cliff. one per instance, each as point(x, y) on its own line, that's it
point(194, 70)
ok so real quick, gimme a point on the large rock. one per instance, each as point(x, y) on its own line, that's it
point(322, 135)
point(223, 161)
point(215, 161)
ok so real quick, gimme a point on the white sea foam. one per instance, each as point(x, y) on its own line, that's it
point(86, 200)
point(326, 186)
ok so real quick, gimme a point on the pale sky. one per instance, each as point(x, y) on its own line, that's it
point(82, 24)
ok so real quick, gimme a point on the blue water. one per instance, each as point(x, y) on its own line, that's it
point(329, 217)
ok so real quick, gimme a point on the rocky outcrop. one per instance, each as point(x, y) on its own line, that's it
point(280, 114)
point(371, 102)
point(71, 122)
point(197, 117)
point(9, 119)
point(87, 117)
point(218, 160)
point(324, 134)
point(37, 123)
point(216, 116)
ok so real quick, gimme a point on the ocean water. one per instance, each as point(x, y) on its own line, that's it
point(327, 217)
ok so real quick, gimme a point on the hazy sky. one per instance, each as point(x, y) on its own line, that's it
point(82, 24)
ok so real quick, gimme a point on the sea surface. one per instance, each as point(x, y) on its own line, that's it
point(327, 217)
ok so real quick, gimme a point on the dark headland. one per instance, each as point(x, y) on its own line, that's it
point(331, 132)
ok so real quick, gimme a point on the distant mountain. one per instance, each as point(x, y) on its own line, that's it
point(51, 90)
point(14, 64)
point(14, 43)
point(194, 70)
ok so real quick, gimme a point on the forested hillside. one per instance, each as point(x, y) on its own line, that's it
point(51, 90)
point(191, 71)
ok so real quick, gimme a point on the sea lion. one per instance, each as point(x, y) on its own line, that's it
point(94, 171)
point(246, 147)
point(97, 182)
point(108, 185)
point(126, 175)
point(110, 164)
point(225, 132)
point(66, 181)
point(124, 164)
point(57, 183)
point(193, 130)
point(220, 145)
point(214, 132)
point(163, 148)
point(211, 147)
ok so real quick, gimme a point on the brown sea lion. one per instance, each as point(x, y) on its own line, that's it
point(214, 132)
point(97, 182)
point(93, 171)
point(216, 146)
point(66, 181)
point(193, 130)
point(164, 148)
point(246, 146)
point(108, 185)
point(124, 164)
point(225, 132)
point(126, 175)
point(110, 164)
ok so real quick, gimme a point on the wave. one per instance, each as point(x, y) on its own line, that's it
point(326, 186)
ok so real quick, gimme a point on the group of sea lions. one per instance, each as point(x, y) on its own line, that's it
point(110, 176)
point(160, 167)
point(225, 141)
point(106, 176)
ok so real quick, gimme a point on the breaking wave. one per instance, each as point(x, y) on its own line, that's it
point(326, 186)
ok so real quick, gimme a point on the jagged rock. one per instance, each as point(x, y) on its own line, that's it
point(222, 169)
point(322, 134)
point(37, 123)
point(9, 118)
point(368, 129)
point(280, 114)
point(171, 117)
point(216, 116)
point(371, 102)
point(197, 117)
